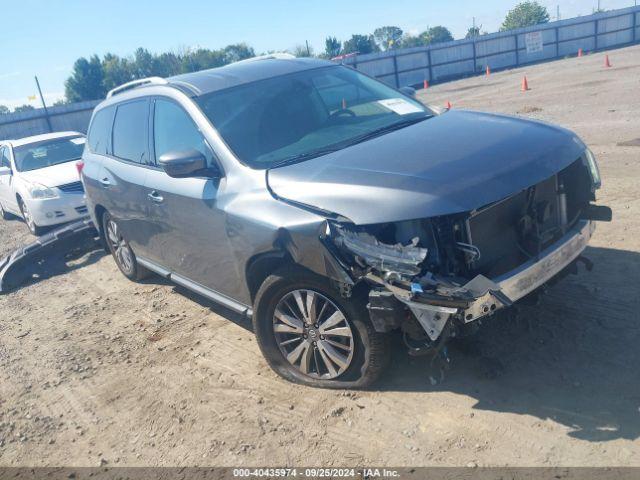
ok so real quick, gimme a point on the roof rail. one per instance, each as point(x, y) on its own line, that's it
point(268, 56)
point(136, 83)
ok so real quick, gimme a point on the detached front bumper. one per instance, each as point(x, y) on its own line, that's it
point(483, 296)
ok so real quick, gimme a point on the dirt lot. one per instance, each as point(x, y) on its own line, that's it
point(94, 368)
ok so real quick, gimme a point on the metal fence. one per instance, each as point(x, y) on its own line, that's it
point(74, 116)
point(460, 58)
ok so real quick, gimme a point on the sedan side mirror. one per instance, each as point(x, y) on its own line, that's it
point(186, 163)
point(5, 171)
point(409, 91)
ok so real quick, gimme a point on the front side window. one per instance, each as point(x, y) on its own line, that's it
point(130, 131)
point(4, 157)
point(47, 153)
point(298, 116)
point(175, 131)
point(100, 131)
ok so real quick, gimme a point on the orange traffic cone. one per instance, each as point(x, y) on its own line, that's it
point(525, 84)
point(488, 72)
point(579, 53)
point(449, 106)
point(425, 85)
point(607, 63)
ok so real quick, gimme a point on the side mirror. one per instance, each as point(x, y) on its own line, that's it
point(186, 163)
point(409, 91)
point(5, 171)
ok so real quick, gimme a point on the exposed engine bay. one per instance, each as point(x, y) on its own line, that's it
point(432, 277)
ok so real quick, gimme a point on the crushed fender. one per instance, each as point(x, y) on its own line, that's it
point(21, 265)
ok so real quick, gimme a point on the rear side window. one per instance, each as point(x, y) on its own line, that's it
point(100, 131)
point(130, 131)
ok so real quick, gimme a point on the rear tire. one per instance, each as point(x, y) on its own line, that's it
point(340, 331)
point(28, 219)
point(121, 250)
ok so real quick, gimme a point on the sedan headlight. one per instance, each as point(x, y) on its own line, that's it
point(40, 192)
point(593, 168)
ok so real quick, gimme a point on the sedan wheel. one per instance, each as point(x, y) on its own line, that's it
point(28, 219)
point(313, 334)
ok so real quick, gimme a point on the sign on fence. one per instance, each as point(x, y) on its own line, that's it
point(533, 40)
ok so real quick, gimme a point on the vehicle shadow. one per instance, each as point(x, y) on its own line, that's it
point(573, 359)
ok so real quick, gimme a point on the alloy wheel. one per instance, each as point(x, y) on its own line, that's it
point(28, 218)
point(313, 334)
point(121, 250)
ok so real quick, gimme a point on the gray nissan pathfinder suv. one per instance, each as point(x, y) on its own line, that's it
point(334, 209)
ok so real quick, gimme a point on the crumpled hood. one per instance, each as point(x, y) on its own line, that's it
point(454, 162)
point(53, 176)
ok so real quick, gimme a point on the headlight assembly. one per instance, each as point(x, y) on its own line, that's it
point(593, 168)
point(40, 192)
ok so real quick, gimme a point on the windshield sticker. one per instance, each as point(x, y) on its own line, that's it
point(78, 141)
point(399, 106)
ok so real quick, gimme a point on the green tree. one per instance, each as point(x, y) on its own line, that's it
point(4, 110)
point(86, 80)
point(525, 14)
point(409, 41)
point(23, 108)
point(59, 102)
point(473, 32)
point(388, 37)
point(360, 44)
point(115, 71)
point(332, 47)
point(237, 52)
point(437, 34)
point(301, 50)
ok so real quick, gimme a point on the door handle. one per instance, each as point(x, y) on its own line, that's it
point(155, 197)
point(105, 182)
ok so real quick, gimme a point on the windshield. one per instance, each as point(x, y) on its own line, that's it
point(298, 116)
point(47, 153)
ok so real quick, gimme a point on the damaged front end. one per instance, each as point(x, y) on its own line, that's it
point(432, 277)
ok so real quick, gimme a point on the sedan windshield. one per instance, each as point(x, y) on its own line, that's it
point(48, 152)
point(296, 117)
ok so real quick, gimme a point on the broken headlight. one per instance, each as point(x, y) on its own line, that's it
point(370, 253)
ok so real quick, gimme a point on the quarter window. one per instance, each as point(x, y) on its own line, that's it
point(130, 131)
point(100, 131)
point(175, 131)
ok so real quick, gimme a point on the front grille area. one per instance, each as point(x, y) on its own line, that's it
point(75, 187)
point(509, 232)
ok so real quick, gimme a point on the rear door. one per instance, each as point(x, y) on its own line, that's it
point(188, 230)
point(124, 170)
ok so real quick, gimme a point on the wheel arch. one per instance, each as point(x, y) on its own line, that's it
point(261, 266)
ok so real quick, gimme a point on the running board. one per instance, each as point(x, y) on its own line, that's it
point(212, 295)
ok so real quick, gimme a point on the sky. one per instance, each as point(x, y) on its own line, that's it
point(45, 37)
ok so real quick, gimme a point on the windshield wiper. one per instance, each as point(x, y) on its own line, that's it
point(389, 128)
point(305, 156)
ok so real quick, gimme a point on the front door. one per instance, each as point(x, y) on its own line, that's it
point(7, 196)
point(188, 234)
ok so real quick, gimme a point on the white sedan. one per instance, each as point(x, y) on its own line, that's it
point(39, 179)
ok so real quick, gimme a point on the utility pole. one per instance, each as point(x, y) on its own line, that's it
point(557, 12)
point(308, 50)
point(44, 105)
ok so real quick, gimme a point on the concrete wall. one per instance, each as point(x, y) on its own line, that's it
point(74, 117)
point(445, 61)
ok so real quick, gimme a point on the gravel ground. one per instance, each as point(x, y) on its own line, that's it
point(97, 370)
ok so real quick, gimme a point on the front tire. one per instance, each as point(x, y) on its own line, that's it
point(121, 250)
point(28, 219)
point(311, 335)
